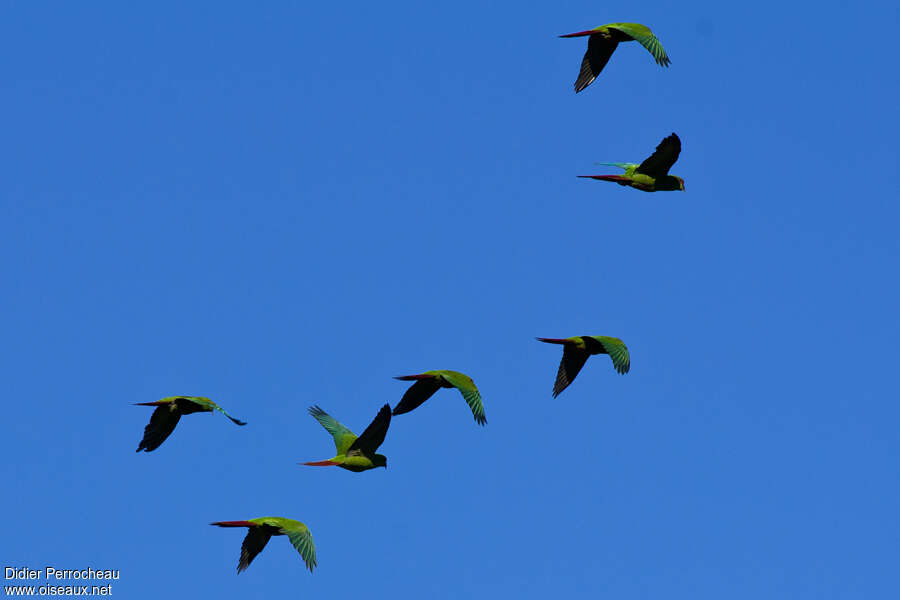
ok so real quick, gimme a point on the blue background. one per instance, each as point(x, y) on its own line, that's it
point(280, 206)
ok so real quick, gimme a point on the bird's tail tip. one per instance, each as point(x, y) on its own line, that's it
point(320, 463)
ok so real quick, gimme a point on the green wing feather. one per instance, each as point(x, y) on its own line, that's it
point(343, 437)
point(297, 533)
point(222, 410)
point(207, 403)
point(469, 392)
point(171, 399)
point(302, 540)
point(617, 350)
point(645, 37)
point(628, 167)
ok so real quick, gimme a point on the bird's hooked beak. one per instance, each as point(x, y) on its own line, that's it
point(578, 33)
point(682, 185)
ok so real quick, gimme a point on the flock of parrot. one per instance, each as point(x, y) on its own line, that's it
point(358, 453)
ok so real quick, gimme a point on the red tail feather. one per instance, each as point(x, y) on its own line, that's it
point(578, 33)
point(414, 377)
point(322, 463)
point(616, 178)
point(234, 524)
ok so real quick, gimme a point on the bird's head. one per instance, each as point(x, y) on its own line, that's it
point(380, 460)
point(680, 183)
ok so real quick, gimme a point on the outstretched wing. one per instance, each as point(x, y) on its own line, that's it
point(617, 351)
point(469, 391)
point(419, 392)
point(666, 153)
point(210, 404)
point(256, 540)
point(162, 423)
point(302, 540)
point(599, 50)
point(374, 434)
point(343, 437)
point(573, 360)
point(233, 420)
point(645, 37)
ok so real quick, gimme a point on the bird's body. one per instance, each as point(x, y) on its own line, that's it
point(261, 529)
point(429, 382)
point(652, 175)
point(357, 464)
point(576, 351)
point(168, 412)
point(354, 453)
point(602, 42)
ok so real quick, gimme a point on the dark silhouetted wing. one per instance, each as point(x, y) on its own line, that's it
point(374, 434)
point(572, 361)
point(597, 55)
point(417, 393)
point(659, 163)
point(256, 540)
point(162, 424)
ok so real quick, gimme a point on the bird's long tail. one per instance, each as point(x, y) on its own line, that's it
point(553, 340)
point(421, 376)
point(615, 178)
point(321, 463)
point(233, 524)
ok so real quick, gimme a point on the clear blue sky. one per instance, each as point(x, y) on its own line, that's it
point(280, 206)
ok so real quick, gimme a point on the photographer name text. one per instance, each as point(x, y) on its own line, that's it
point(54, 573)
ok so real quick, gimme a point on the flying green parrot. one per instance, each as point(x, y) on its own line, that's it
point(427, 383)
point(168, 411)
point(576, 351)
point(260, 530)
point(354, 453)
point(602, 43)
point(652, 175)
